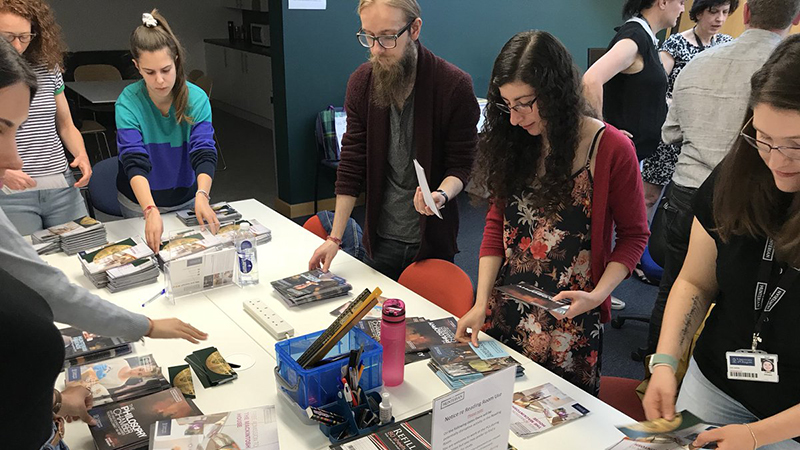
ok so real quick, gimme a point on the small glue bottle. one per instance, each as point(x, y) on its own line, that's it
point(385, 409)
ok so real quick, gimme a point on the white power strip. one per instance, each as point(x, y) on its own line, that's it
point(268, 319)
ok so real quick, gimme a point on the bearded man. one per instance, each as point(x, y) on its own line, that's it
point(404, 104)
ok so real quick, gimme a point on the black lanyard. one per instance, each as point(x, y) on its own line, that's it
point(787, 278)
point(699, 42)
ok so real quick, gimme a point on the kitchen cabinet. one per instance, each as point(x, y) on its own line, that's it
point(250, 5)
point(242, 80)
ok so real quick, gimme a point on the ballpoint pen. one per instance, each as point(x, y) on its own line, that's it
point(154, 298)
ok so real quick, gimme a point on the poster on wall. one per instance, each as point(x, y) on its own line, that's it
point(307, 4)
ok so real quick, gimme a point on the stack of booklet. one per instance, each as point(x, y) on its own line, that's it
point(421, 334)
point(127, 425)
point(227, 232)
point(120, 265)
point(224, 211)
point(310, 286)
point(186, 243)
point(254, 429)
point(210, 367)
point(73, 237)
point(459, 364)
point(81, 347)
point(47, 248)
point(662, 434)
point(118, 379)
point(542, 408)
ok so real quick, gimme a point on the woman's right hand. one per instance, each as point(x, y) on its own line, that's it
point(659, 400)
point(474, 320)
point(75, 404)
point(323, 256)
point(18, 180)
point(153, 229)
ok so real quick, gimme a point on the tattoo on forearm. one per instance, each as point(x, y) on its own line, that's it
point(691, 318)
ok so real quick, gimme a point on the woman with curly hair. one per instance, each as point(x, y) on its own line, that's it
point(548, 167)
point(44, 193)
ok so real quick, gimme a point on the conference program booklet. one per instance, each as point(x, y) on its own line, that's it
point(542, 408)
point(245, 429)
point(677, 433)
point(528, 293)
point(81, 347)
point(114, 255)
point(118, 379)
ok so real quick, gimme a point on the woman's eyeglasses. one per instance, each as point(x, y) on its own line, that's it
point(522, 108)
point(24, 38)
point(789, 152)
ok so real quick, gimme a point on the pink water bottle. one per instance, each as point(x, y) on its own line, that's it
point(393, 340)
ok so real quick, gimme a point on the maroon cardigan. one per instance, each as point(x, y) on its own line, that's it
point(445, 136)
point(617, 200)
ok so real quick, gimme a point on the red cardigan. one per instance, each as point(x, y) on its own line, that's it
point(617, 200)
point(445, 137)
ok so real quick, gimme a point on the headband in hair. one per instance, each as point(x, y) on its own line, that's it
point(149, 21)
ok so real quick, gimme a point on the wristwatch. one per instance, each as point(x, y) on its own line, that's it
point(662, 359)
point(444, 194)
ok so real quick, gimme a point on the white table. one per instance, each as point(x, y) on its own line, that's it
point(232, 331)
point(99, 92)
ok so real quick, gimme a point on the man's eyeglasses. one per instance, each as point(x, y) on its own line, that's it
point(23, 37)
point(388, 41)
point(789, 152)
point(522, 108)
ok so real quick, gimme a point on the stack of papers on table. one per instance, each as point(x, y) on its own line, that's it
point(310, 286)
point(228, 231)
point(459, 364)
point(73, 237)
point(541, 408)
point(253, 428)
point(118, 379)
point(186, 243)
point(120, 265)
point(421, 334)
point(81, 347)
point(47, 248)
point(224, 211)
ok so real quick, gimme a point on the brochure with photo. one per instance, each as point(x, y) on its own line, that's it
point(542, 408)
point(527, 293)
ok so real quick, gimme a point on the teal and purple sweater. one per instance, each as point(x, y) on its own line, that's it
point(170, 155)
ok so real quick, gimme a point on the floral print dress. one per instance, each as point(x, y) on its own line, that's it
point(550, 248)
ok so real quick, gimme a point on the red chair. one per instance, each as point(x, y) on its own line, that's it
point(314, 225)
point(440, 282)
point(621, 394)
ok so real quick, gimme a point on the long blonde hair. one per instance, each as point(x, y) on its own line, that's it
point(151, 39)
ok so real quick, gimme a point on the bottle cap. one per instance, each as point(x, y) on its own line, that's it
point(394, 310)
point(244, 226)
point(385, 399)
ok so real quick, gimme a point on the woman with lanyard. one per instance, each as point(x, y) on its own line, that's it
point(743, 256)
point(560, 181)
point(628, 84)
point(709, 16)
point(167, 154)
point(43, 192)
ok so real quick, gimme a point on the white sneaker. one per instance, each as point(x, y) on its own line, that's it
point(617, 304)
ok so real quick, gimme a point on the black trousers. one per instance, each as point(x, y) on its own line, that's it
point(677, 204)
point(391, 257)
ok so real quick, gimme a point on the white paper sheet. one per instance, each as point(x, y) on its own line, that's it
point(340, 123)
point(56, 181)
point(307, 4)
point(426, 191)
point(483, 407)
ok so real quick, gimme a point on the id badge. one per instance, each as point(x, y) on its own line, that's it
point(748, 365)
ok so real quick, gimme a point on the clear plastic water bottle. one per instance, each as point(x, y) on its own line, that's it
point(246, 273)
point(393, 341)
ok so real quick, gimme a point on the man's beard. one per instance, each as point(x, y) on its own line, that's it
point(390, 81)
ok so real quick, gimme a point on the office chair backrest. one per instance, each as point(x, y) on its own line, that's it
point(103, 187)
point(205, 83)
point(195, 74)
point(440, 282)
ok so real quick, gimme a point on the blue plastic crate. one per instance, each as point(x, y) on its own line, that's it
point(320, 385)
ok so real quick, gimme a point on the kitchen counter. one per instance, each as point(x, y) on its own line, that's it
point(241, 45)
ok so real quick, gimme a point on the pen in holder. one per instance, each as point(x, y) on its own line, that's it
point(359, 420)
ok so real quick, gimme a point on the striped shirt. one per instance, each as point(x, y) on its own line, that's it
point(38, 142)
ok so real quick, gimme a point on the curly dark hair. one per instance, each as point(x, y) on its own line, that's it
point(48, 47)
point(508, 157)
point(701, 6)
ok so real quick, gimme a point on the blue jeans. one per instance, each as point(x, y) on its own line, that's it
point(36, 210)
point(60, 446)
point(130, 209)
point(706, 401)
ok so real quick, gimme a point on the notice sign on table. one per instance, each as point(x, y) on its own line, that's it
point(475, 417)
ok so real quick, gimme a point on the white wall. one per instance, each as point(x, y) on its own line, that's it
point(107, 24)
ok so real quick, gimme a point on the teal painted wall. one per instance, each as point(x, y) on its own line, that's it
point(318, 51)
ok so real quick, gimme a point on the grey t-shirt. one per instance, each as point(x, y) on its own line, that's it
point(399, 220)
point(70, 304)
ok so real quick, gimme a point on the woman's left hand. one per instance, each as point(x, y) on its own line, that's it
point(580, 302)
point(730, 437)
point(205, 215)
